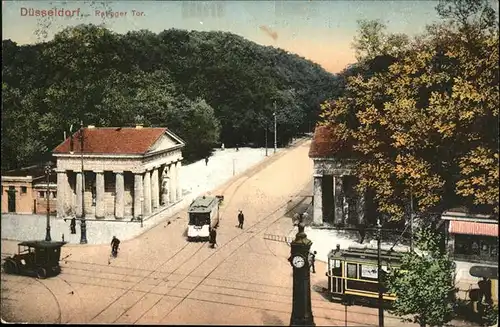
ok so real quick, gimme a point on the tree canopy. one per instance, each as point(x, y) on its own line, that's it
point(208, 87)
point(424, 123)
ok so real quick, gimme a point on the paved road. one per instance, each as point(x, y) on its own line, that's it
point(160, 278)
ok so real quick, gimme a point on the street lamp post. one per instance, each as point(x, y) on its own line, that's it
point(379, 276)
point(275, 129)
point(301, 302)
point(83, 224)
point(48, 169)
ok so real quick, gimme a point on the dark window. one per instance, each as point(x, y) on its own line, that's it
point(24, 189)
point(199, 219)
point(352, 270)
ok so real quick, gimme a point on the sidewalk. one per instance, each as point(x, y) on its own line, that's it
point(196, 179)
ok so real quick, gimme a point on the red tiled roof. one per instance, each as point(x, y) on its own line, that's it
point(472, 228)
point(326, 142)
point(113, 140)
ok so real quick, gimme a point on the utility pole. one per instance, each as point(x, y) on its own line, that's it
point(379, 277)
point(83, 224)
point(411, 219)
point(275, 129)
point(47, 192)
point(266, 140)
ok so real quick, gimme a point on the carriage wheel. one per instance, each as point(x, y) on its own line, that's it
point(41, 273)
point(10, 267)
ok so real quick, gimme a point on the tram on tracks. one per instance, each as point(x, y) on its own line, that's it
point(353, 273)
point(203, 215)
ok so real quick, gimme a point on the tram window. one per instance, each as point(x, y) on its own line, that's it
point(368, 272)
point(199, 219)
point(352, 270)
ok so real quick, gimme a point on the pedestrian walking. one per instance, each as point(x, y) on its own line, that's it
point(213, 237)
point(222, 147)
point(72, 225)
point(206, 161)
point(485, 290)
point(312, 260)
point(241, 219)
point(115, 243)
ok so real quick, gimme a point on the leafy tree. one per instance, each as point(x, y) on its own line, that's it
point(424, 284)
point(373, 40)
point(427, 125)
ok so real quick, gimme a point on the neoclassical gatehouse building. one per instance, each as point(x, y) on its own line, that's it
point(335, 200)
point(122, 172)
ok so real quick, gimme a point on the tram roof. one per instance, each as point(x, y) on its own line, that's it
point(203, 204)
point(365, 254)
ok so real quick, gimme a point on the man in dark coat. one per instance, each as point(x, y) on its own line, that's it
point(241, 219)
point(213, 237)
point(114, 245)
point(72, 225)
point(485, 290)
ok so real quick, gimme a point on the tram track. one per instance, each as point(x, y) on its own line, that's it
point(188, 247)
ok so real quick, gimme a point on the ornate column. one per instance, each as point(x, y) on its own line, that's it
point(99, 194)
point(178, 183)
point(165, 187)
point(119, 195)
point(147, 193)
point(155, 189)
point(79, 198)
point(171, 175)
point(138, 193)
point(318, 200)
point(61, 192)
point(338, 196)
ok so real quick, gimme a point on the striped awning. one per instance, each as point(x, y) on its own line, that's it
point(473, 228)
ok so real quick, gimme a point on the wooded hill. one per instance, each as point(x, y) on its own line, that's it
point(208, 87)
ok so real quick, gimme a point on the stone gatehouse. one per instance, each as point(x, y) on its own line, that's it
point(335, 200)
point(122, 172)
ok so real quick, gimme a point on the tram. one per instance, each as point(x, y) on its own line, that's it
point(203, 215)
point(353, 273)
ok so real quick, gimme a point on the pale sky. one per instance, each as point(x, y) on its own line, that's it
point(321, 31)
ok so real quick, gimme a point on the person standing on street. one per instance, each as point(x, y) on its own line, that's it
point(213, 237)
point(72, 225)
point(312, 259)
point(241, 219)
point(206, 161)
point(114, 246)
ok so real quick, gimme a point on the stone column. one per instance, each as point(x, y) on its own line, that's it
point(99, 194)
point(178, 183)
point(155, 189)
point(138, 194)
point(318, 200)
point(119, 195)
point(147, 193)
point(338, 196)
point(79, 198)
point(165, 187)
point(171, 174)
point(62, 180)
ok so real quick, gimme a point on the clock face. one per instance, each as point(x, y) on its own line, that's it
point(298, 261)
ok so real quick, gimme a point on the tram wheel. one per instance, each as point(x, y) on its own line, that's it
point(41, 273)
point(10, 267)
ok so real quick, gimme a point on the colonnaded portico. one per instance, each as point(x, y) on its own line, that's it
point(121, 172)
point(335, 199)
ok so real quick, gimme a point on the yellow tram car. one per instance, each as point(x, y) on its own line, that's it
point(353, 274)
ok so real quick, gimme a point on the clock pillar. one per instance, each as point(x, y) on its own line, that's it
point(301, 302)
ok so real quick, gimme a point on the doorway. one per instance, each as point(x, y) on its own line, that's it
point(11, 199)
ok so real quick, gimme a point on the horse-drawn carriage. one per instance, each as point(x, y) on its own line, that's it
point(35, 258)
